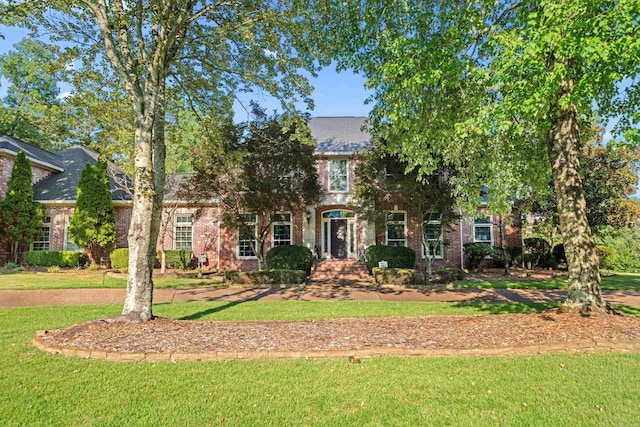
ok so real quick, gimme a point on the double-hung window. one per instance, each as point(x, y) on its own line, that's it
point(433, 233)
point(396, 229)
point(42, 244)
point(68, 242)
point(338, 175)
point(183, 232)
point(281, 229)
point(482, 230)
point(246, 236)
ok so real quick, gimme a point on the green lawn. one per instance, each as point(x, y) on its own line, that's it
point(88, 279)
point(617, 282)
point(43, 389)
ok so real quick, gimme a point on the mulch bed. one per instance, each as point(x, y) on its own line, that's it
point(163, 335)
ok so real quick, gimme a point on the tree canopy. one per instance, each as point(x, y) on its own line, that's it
point(501, 91)
point(268, 169)
point(383, 179)
point(205, 50)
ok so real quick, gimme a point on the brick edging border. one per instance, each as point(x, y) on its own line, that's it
point(582, 346)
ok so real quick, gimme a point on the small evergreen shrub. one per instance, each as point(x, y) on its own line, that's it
point(54, 269)
point(53, 258)
point(538, 252)
point(277, 277)
point(399, 276)
point(120, 259)
point(448, 275)
point(607, 257)
point(290, 257)
point(395, 256)
point(476, 252)
point(177, 258)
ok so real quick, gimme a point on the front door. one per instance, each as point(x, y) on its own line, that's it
point(339, 238)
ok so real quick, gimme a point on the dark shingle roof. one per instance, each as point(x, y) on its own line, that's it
point(63, 186)
point(34, 154)
point(339, 135)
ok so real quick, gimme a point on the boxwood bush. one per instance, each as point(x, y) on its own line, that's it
point(177, 258)
point(120, 259)
point(399, 276)
point(53, 258)
point(476, 252)
point(290, 257)
point(395, 256)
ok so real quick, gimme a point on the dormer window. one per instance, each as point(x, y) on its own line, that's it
point(338, 175)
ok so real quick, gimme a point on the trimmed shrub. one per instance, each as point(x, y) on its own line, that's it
point(395, 256)
point(266, 277)
point(476, 252)
point(290, 257)
point(53, 258)
point(177, 258)
point(448, 275)
point(399, 276)
point(538, 252)
point(120, 259)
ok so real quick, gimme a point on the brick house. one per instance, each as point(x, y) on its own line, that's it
point(332, 229)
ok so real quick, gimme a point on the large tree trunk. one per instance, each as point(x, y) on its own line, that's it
point(139, 297)
point(563, 146)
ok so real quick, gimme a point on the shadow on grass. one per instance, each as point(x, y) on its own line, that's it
point(230, 304)
point(507, 307)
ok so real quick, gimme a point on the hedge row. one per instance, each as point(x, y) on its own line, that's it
point(406, 276)
point(266, 277)
point(395, 256)
point(54, 258)
point(179, 259)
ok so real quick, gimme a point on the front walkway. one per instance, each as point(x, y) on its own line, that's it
point(311, 292)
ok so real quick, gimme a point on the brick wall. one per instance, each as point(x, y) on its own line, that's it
point(6, 166)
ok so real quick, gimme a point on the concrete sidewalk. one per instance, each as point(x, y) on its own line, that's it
point(312, 292)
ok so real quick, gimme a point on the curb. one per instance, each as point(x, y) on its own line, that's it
point(574, 347)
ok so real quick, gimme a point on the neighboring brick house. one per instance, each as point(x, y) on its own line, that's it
point(333, 229)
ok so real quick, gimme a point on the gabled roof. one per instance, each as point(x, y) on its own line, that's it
point(36, 155)
point(339, 135)
point(62, 187)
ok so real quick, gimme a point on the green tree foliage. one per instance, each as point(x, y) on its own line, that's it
point(502, 91)
point(269, 167)
point(21, 217)
point(206, 50)
point(384, 179)
point(93, 224)
point(31, 110)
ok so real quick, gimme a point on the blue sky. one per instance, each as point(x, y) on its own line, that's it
point(335, 94)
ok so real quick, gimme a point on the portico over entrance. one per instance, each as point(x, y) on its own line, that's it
point(338, 229)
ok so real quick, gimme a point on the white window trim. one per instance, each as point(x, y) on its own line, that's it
point(329, 176)
point(386, 227)
point(255, 230)
point(46, 224)
point(177, 224)
point(273, 228)
point(483, 225)
point(440, 240)
point(67, 225)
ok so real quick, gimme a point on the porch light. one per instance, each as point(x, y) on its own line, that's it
point(307, 215)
